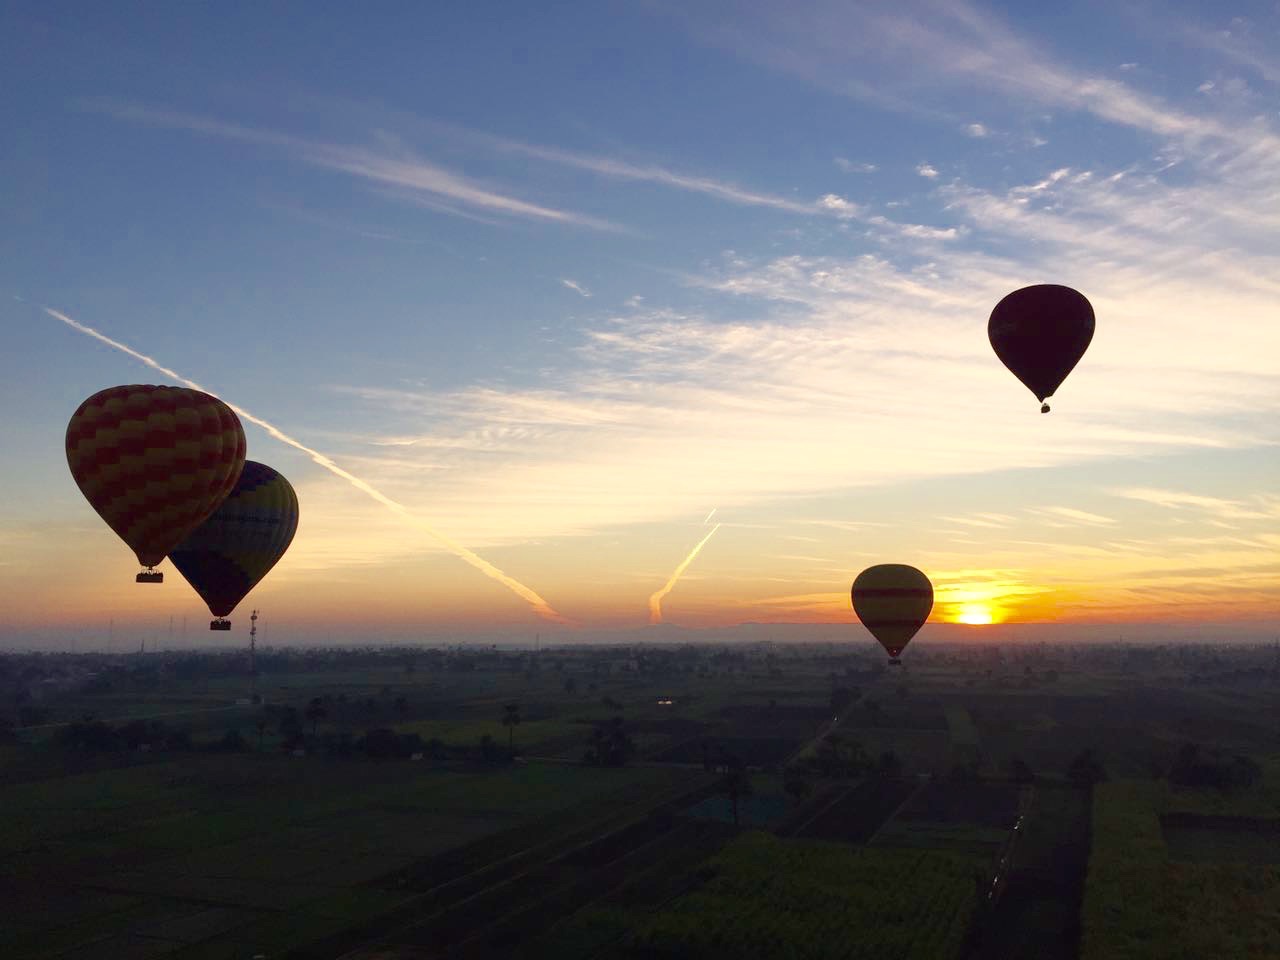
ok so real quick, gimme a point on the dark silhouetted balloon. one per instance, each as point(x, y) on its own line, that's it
point(893, 601)
point(1040, 333)
point(226, 556)
point(154, 462)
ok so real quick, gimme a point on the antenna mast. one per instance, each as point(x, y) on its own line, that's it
point(253, 642)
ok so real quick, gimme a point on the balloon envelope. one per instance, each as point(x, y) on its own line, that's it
point(154, 462)
point(1040, 333)
point(893, 601)
point(226, 556)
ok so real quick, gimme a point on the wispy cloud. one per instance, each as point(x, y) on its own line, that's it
point(1238, 44)
point(849, 166)
point(989, 521)
point(576, 287)
point(926, 170)
point(539, 606)
point(619, 169)
point(1224, 509)
point(976, 130)
point(1073, 515)
point(388, 164)
point(394, 166)
point(887, 54)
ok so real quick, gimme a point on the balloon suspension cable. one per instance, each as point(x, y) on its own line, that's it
point(1044, 408)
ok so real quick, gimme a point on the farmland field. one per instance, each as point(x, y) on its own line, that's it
point(859, 812)
point(1221, 909)
point(193, 848)
point(1217, 839)
point(251, 850)
point(755, 751)
point(769, 897)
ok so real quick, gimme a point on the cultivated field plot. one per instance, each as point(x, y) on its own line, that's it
point(920, 751)
point(1140, 902)
point(859, 813)
point(217, 856)
point(771, 898)
point(754, 751)
point(765, 805)
point(779, 720)
point(909, 714)
point(982, 804)
point(1038, 915)
point(528, 735)
point(1217, 839)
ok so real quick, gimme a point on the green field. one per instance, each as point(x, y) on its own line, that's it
point(801, 898)
point(1140, 902)
point(251, 851)
point(204, 847)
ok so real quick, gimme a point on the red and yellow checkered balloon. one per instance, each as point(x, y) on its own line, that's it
point(154, 461)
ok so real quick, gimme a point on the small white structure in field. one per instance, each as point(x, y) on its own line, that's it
point(416, 756)
point(299, 752)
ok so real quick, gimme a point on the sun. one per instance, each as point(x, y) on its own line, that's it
point(974, 613)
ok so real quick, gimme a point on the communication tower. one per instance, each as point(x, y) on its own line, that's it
point(253, 642)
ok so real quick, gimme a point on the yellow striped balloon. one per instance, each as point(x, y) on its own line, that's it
point(893, 601)
point(226, 556)
point(154, 462)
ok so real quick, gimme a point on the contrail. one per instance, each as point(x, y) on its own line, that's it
point(540, 606)
point(655, 601)
point(710, 515)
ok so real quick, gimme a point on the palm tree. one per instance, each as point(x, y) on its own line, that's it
point(315, 713)
point(736, 783)
point(510, 718)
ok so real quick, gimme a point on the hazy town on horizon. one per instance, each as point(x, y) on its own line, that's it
point(127, 637)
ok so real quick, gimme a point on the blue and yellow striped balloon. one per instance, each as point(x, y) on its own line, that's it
point(226, 556)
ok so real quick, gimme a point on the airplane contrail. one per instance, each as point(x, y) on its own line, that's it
point(540, 606)
point(710, 515)
point(655, 601)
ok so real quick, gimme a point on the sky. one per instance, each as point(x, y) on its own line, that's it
point(580, 317)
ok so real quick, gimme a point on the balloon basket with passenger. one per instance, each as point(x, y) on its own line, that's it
point(220, 624)
point(149, 576)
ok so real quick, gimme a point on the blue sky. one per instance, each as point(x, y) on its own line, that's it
point(560, 279)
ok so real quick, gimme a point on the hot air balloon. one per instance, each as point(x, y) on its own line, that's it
point(1040, 333)
point(893, 601)
point(154, 462)
point(226, 556)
